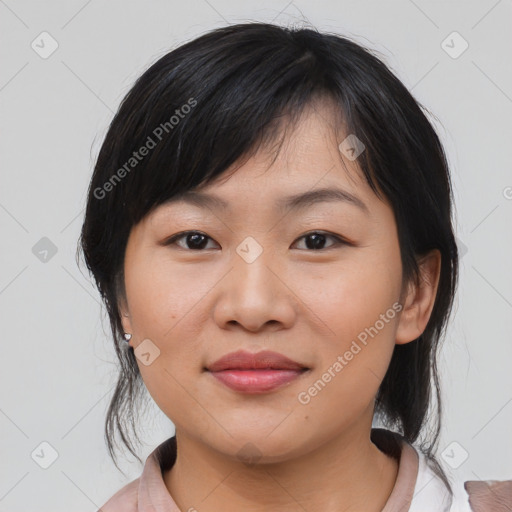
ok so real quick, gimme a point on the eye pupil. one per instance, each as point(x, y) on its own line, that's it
point(195, 237)
point(317, 238)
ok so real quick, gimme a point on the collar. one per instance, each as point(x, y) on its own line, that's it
point(153, 495)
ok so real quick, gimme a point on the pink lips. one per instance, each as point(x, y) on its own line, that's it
point(255, 373)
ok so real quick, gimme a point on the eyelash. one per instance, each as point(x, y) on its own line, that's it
point(339, 240)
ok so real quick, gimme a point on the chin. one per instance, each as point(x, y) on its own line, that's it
point(259, 447)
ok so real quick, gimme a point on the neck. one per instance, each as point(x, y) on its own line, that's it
point(347, 469)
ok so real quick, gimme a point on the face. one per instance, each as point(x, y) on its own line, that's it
point(318, 282)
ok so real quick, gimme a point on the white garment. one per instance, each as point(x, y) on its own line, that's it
point(430, 493)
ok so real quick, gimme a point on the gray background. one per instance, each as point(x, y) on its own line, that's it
point(58, 365)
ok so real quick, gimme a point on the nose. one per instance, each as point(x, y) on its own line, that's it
point(255, 296)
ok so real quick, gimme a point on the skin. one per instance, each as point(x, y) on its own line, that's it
point(309, 304)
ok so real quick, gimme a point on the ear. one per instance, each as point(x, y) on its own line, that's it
point(420, 299)
point(122, 303)
point(125, 315)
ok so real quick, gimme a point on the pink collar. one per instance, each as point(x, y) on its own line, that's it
point(153, 495)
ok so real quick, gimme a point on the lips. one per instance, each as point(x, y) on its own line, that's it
point(266, 360)
point(256, 373)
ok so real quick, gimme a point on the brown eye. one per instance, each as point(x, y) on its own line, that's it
point(193, 240)
point(198, 241)
point(315, 240)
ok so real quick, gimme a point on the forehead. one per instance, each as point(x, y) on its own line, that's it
point(308, 167)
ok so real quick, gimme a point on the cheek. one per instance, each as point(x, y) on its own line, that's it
point(353, 360)
point(165, 307)
point(357, 304)
point(162, 295)
point(351, 296)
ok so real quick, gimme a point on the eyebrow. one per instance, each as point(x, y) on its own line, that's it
point(295, 202)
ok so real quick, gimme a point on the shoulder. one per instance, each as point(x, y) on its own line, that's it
point(143, 492)
point(124, 500)
point(489, 496)
point(467, 496)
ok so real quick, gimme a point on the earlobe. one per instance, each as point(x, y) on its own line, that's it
point(420, 299)
point(125, 316)
point(125, 320)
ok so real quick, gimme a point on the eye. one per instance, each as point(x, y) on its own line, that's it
point(196, 240)
point(316, 240)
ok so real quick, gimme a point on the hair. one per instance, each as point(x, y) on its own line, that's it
point(222, 97)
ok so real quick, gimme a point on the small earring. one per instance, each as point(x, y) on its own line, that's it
point(127, 337)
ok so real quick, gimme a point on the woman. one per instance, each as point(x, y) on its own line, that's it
point(269, 225)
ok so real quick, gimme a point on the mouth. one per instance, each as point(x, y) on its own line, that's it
point(256, 373)
point(257, 381)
